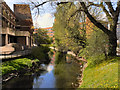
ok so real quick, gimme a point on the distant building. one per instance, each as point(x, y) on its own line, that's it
point(35, 30)
point(50, 32)
point(16, 26)
point(90, 26)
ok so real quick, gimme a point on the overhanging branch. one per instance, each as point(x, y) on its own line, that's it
point(104, 9)
point(41, 4)
point(109, 4)
point(95, 22)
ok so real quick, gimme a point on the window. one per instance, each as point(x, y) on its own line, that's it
point(17, 27)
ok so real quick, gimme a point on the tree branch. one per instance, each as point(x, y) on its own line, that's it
point(95, 22)
point(41, 4)
point(75, 13)
point(104, 9)
point(62, 3)
point(118, 8)
point(116, 17)
point(109, 4)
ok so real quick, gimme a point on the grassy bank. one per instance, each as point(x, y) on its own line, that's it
point(104, 75)
point(17, 64)
point(38, 54)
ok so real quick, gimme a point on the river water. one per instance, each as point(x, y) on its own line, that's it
point(55, 76)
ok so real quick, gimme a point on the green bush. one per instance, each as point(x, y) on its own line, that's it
point(16, 64)
point(7, 69)
point(59, 57)
point(40, 52)
point(96, 60)
point(96, 50)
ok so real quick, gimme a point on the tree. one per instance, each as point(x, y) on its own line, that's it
point(112, 14)
point(67, 34)
point(41, 37)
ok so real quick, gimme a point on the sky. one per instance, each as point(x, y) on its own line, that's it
point(43, 20)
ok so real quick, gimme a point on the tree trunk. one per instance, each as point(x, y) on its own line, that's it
point(112, 45)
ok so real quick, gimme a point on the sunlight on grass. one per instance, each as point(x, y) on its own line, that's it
point(104, 75)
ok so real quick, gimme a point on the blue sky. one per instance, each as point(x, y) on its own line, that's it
point(46, 16)
point(44, 19)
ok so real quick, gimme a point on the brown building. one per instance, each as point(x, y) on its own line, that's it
point(16, 26)
point(90, 27)
point(50, 32)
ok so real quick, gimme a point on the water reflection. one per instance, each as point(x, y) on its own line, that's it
point(50, 68)
point(66, 73)
point(45, 80)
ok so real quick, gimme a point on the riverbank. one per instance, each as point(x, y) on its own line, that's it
point(104, 75)
point(17, 67)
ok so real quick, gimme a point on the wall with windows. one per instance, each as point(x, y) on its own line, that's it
point(15, 29)
point(8, 17)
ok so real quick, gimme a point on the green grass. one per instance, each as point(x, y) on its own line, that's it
point(17, 64)
point(104, 75)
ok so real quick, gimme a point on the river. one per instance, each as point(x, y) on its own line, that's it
point(61, 75)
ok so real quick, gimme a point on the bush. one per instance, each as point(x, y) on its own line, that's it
point(16, 65)
point(59, 57)
point(40, 52)
point(96, 60)
point(96, 50)
point(7, 69)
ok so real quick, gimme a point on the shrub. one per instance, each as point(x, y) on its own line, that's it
point(59, 57)
point(16, 65)
point(96, 50)
point(96, 60)
point(40, 52)
point(7, 69)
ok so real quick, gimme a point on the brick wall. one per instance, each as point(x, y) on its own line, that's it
point(89, 27)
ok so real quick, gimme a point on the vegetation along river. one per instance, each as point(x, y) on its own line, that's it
point(61, 72)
